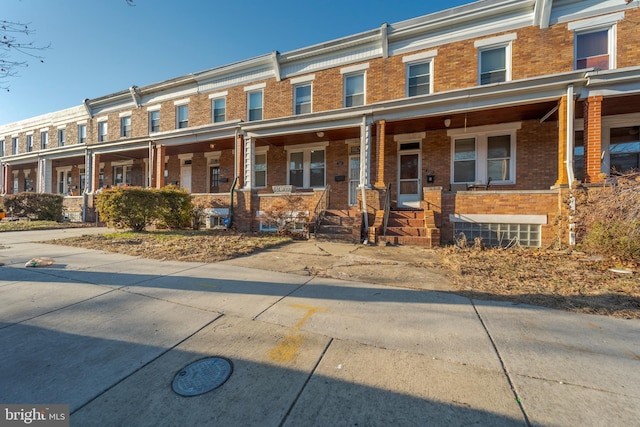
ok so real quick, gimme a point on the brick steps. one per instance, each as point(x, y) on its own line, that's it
point(339, 225)
point(407, 227)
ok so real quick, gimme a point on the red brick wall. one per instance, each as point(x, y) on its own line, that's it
point(493, 202)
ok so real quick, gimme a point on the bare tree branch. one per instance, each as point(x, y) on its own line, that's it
point(14, 42)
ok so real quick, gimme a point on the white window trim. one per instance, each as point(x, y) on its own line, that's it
point(152, 108)
point(418, 62)
point(301, 84)
point(508, 65)
point(344, 87)
point(183, 101)
point(608, 123)
point(249, 93)
point(495, 41)
point(611, 42)
point(306, 149)
point(218, 95)
point(597, 22)
point(125, 114)
point(177, 107)
point(481, 135)
point(354, 69)
point(261, 151)
point(213, 98)
point(255, 88)
point(302, 79)
point(420, 57)
point(106, 129)
point(122, 135)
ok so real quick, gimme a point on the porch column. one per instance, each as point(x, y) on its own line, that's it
point(380, 154)
point(95, 172)
point(592, 139)
point(365, 154)
point(44, 176)
point(240, 160)
point(7, 186)
point(563, 178)
point(249, 148)
point(159, 166)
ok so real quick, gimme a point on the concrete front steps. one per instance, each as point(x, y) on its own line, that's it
point(412, 227)
point(343, 225)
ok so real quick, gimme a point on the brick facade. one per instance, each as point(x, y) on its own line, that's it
point(542, 69)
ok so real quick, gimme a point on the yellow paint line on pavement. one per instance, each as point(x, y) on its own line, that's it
point(287, 348)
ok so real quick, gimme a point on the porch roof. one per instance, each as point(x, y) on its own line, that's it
point(537, 95)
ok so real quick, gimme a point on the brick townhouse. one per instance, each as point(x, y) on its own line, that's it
point(471, 120)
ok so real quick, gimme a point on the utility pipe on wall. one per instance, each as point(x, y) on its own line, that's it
point(570, 172)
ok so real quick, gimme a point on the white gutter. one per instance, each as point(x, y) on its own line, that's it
point(570, 135)
point(364, 162)
point(570, 173)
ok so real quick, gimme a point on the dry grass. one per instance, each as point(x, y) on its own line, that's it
point(564, 280)
point(194, 246)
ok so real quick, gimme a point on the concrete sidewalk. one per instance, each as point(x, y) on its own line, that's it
point(107, 333)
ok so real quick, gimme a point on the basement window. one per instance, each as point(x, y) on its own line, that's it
point(500, 234)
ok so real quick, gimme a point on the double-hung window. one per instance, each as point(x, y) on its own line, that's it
point(29, 143)
point(125, 126)
point(219, 110)
point(493, 65)
point(44, 139)
point(260, 170)
point(302, 98)
point(484, 153)
point(592, 50)
point(419, 78)
point(62, 136)
point(14, 145)
point(182, 116)
point(595, 41)
point(494, 59)
point(354, 93)
point(154, 121)
point(254, 102)
point(307, 167)
point(2, 148)
point(102, 131)
point(82, 134)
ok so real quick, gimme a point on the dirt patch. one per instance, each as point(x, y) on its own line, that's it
point(563, 280)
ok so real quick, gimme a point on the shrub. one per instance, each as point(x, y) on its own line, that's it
point(128, 207)
point(136, 207)
point(174, 208)
point(40, 206)
point(609, 218)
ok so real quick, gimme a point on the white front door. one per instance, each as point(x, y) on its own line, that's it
point(185, 178)
point(409, 183)
point(354, 179)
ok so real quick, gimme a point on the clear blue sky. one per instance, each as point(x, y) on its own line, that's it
point(104, 46)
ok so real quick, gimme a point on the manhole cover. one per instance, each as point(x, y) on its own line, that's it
point(202, 376)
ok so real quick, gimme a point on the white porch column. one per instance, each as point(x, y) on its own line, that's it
point(88, 171)
point(249, 160)
point(44, 176)
point(365, 154)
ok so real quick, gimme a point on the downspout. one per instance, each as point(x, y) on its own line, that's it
point(235, 180)
point(570, 172)
point(363, 176)
point(88, 184)
point(151, 166)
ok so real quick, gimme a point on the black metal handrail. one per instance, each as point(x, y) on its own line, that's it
point(321, 208)
point(387, 208)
